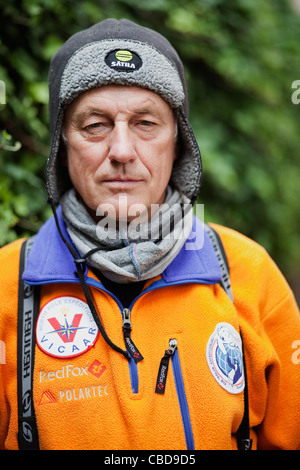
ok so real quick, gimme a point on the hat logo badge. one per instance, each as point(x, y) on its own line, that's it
point(122, 60)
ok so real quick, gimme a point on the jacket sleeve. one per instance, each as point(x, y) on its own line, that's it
point(270, 323)
point(280, 428)
point(9, 281)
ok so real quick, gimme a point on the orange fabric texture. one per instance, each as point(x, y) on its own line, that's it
point(87, 401)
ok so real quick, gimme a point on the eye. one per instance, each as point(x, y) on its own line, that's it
point(97, 128)
point(144, 122)
point(95, 125)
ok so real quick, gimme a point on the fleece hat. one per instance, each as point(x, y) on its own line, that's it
point(121, 53)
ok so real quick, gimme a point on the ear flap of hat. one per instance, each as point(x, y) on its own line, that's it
point(187, 169)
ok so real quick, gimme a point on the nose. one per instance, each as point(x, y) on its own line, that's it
point(121, 144)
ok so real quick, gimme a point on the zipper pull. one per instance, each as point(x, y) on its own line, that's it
point(126, 318)
point(130, 346)
point(163, 368)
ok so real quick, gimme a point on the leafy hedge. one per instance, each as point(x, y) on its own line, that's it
point(241, 59)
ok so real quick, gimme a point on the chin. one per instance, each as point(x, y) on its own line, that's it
point(121, 207)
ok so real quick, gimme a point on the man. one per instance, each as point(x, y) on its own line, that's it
point(139, 342)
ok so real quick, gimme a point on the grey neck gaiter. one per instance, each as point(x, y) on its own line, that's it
point(132, 252)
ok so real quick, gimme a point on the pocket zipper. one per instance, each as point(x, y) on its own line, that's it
point(163, 367)
point(172, 352)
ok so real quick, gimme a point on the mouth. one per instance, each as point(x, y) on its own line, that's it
point(121, 181)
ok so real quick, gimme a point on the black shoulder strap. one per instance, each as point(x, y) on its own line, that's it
point(28, 308)
point(243, 433)
point(222, 258)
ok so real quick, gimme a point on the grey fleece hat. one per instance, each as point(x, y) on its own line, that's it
point(121, 53)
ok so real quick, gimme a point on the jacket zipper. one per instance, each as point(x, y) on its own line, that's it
point(126, 312)
point(135, 354)
point(130, 346)
point(172, 352)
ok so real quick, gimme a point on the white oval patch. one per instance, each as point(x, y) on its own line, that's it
point(225, 358)
point(66, 328)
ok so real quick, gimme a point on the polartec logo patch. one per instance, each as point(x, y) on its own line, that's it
point(66, 328)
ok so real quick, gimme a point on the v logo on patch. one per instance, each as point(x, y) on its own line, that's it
point(66, 328)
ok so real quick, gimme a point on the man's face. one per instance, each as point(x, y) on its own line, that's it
point(120, 146)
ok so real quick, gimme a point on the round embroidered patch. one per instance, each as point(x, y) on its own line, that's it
point(123, 60)
point(224, 358)
point(66, 328)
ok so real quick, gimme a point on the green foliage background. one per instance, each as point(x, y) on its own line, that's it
point(241, 58)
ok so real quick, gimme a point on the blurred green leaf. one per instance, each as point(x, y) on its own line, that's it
point(7, 142)
point(39, 92)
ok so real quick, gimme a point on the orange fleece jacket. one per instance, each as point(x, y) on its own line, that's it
point(87, 401)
